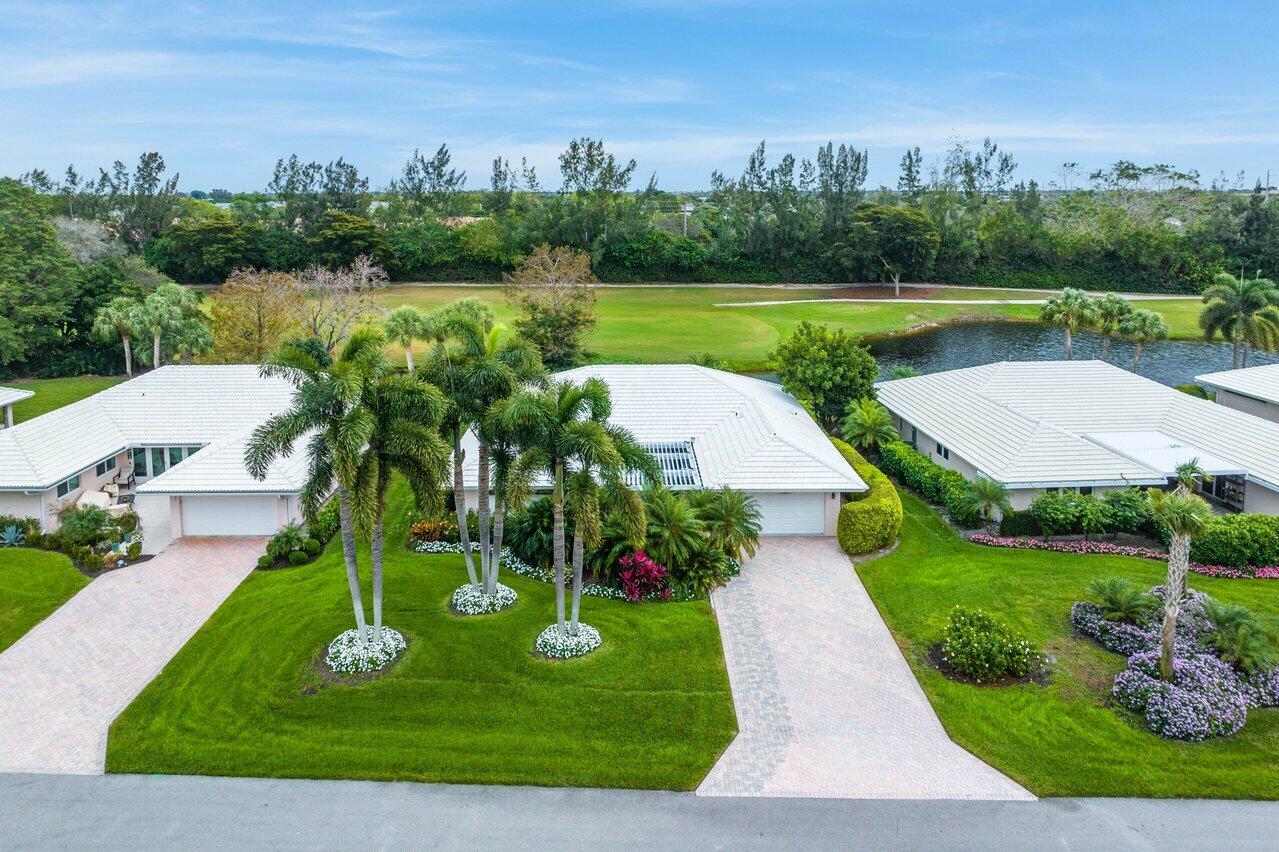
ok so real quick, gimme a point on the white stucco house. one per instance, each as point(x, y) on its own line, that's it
point(1253, 390)
point(709, 428)
point(1083, 425)
point(171, 442)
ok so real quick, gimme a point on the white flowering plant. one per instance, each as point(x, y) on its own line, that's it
point(561, 645)
point(471, 600)
point(352, 654)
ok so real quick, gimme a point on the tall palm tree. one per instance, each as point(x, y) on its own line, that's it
point(163, 312)
point(1112, 312)
point(1186, 515)
point(1143, 327)
point(869, 424)
point(326, 412)
point(406, 417)
point(984, 496)
point(1245, 312)
point(1072, 310)
point(404, 325)
point(119, 319)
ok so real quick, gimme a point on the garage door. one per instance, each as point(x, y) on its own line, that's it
point(229, 515)
point(792, 514)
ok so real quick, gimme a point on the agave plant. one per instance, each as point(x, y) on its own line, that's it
point(12, 536)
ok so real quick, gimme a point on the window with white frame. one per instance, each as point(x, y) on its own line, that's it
point(68, 485)
point(153, 461)
point(104, 467)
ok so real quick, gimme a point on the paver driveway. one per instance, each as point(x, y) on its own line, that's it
point(826, 704)
point(65, 681)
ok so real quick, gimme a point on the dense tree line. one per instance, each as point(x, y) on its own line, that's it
point(964, 219)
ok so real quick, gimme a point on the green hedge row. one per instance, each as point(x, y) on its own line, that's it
point(929, 480)
point(1238, 541)
point(872, 520)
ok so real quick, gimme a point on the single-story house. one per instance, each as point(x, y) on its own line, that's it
point(709, 428)
point(170, 442)
point(1083, 425)
point(1254, 390)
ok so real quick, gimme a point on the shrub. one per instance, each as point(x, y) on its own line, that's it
point(528, 532)
point(1129, 510)
point(312, 546)
point(52, 541)
point(1018, 524)
point(930, 480)
point(1120, 600)
point(28, 529)
point(84, 555)
point(433, 529)
point(1064, 512)
point(298, 557)
point(325, 523)
point(1236, 636)
point(134, 552)
point(83, 525)
point(705, 569)
point(1238, 541)
point(289, 539)
point(127, 522)
point(978, 647)
point(870, 521)
point(641, 577)
point(266, 561)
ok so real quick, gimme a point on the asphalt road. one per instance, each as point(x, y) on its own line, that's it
point(147, 812)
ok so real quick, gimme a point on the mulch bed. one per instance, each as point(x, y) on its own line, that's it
point(94, 573)
point(1041, 676)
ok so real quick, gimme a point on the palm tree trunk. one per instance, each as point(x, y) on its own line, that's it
point(375, 547)
point(557, 543)
point(1136, 356)
point(1174, 588)
point(128, 355)
point(499, 524)
point(408, 355)
point(155, 350)
point(486, 490)
point(1105, 345)
point(352, 567)
point(1234, 361)
point(579, 554)
point(1243, 355)
point(459, 503)
point(1069, 347)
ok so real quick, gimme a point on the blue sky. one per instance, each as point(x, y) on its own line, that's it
point(683, 86)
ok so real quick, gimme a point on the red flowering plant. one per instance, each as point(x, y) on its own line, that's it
point(642, 578)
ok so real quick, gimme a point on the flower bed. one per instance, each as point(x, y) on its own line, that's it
point(347, 654)
point(468, 600)
point(1268, 572)
point(563, 645)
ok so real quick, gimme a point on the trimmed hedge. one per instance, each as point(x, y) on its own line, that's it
point(1238, 541)
point(934, 483)
point(872, 520)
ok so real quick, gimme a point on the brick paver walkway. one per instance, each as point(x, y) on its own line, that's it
point(826, 704)
point(65, 681)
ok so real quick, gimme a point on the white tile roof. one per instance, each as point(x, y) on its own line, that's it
point(219, 469)
point(1257, 382)
point(177, 404)
point(1036, 423)
point(746, 433)
point(8, 396)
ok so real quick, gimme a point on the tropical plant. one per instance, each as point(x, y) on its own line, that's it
point(730, 518)
point(1185, 515)
point(868, 424)
point(1073, 310)
point(1143, 327)
point(1242, 311)
point(83, 525)
point(675, 532)
point(12, 536)
point(984, 497)
point(1112, 312)
point(1236, 635)
point(119, 319)
point(289, 538)
point(325, 412)
point(162, 313)
point(1120, 600)
point(404, 325)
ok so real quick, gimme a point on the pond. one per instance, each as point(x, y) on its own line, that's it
point(949, 347)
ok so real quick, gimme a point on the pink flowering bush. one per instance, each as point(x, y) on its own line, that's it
point(642, 578)
point(1267, 572)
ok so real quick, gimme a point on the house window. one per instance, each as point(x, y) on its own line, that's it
point(175, 455)
point(914, 437)
point(942, 451)
point(1086, 490)
point(158, 463)
point(104, 466)
point(191, 450)
point(68, 485)
point(139, 455)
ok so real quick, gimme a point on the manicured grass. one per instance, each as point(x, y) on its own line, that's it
point(33, 583)
point(55, 393)
point(469, 701)
point(1063, 739)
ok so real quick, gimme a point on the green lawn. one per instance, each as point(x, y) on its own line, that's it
point(55, 393)
point(468, 702)
point(33, 583)
point(1063, 739)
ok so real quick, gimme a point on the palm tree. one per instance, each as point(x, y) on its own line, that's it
point(675, 532)
point(1245, 312)
point(731, 519)
point(166, 310)
point(119, 318)
point(406, 417)
point(869, 424)
point(404, 325)
point(327, 412)
point(1072, 310)
point(984, 496)
point(1143, 327)
point(1186, 515)
point(1112, 312)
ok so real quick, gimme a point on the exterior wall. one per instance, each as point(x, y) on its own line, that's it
point(833, 503)
point(1248, 405)
point(1260, 500)
point(155, 516)
point(927, 445)
point(89, 481)
point(20, 504)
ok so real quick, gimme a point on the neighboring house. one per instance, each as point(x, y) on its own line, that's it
point(9, 396)
point(1253, 390)
point(1083, 425)
point(170, 441)
point(709, 428)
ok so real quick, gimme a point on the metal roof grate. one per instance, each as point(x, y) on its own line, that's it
point(679, 465)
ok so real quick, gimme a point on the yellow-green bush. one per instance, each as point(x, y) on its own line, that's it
point(872, 520)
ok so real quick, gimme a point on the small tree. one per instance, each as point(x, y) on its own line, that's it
point(1072, 310)
point(1143, 327)
point(869, 424)
point(404, 325)
point(826, 371)
point(1245, 312)
point(345, 237)
point(338, 301)
point(167, 311)
point(984, 496)
point(1185, 514)
point(119, 319)
point(1112, 312)
point(253, 313)
point(887, 242)
point(554, 289)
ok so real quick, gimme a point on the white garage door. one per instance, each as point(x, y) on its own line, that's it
point(792, 514)
point(230, 515)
